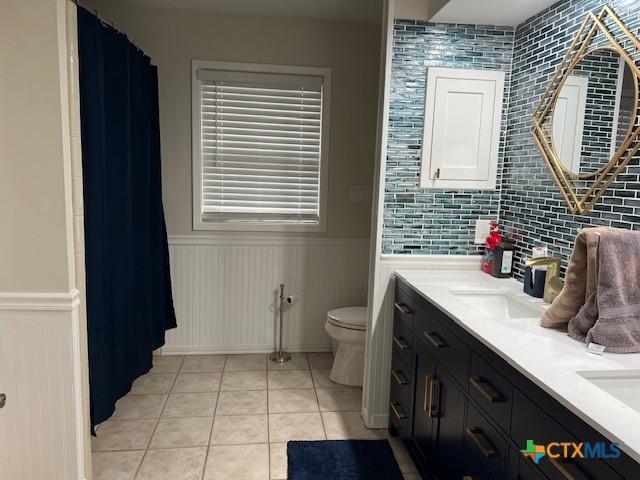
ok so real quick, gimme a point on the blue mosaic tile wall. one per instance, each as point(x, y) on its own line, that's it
point(531, 208)
point(428, 221)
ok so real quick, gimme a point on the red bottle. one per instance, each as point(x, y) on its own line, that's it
point(492, 240)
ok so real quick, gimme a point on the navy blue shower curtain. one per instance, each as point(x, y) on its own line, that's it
point(129, 302)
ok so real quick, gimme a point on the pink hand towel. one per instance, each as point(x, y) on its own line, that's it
point(611, 314)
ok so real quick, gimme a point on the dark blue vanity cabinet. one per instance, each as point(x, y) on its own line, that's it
point(464, 413)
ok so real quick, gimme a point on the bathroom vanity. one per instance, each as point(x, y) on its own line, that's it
point(474, 378)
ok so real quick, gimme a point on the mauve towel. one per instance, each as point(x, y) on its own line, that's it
point(580, 280)
point(611, 314)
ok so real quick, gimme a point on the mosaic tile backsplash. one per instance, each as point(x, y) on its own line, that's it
point(428, 221)
point(527, 201)
point(531, 208)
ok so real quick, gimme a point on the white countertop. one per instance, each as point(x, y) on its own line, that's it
point(549, 358)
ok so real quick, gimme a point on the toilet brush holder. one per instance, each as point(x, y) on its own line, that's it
point(280, 355)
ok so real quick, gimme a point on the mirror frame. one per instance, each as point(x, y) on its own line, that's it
point(581, 203)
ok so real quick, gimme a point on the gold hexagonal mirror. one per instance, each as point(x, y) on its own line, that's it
point(586, 124)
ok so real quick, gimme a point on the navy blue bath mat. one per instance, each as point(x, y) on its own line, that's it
point(342, 460)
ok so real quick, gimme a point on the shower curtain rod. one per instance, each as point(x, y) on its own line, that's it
point(106, 23)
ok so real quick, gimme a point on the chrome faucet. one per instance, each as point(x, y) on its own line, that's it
point(552, 283)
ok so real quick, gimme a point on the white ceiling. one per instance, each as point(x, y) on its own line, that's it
point(490, 12)
point(350, 10)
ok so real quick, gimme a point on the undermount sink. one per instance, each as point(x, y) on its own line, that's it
point(499, 304)
point(622, 384)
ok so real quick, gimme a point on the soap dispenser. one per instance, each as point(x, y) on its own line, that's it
point(502, 260)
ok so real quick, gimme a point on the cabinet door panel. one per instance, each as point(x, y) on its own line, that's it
point(424, 403)
point(531, 423)
point(450, 423)
point(485, 445)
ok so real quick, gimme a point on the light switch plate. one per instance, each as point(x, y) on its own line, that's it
point(483, 227)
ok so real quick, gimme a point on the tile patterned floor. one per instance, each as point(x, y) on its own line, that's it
point(211, 417)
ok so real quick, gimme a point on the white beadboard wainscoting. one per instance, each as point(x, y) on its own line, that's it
point(380, 329)
point(41, 425)
point(225, 290)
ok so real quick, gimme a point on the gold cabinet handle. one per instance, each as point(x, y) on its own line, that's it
point(562, 469)
point(436, 174)
point(401, 343)
point(485, 389)
point(435, 340)
point(481, 442)
point(397, 410)
point(399, 376)
point(431, 386)
point(402, 308)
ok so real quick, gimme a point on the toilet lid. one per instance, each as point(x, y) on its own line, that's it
point(350, 317)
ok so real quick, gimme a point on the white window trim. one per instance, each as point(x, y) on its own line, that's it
point(198, 222)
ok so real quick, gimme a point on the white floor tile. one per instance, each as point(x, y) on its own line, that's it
point(116, 465)
point(122, 435)
point(197, 382)
point(252, 402)
point(244, 381)
point(240, 429)
point(292, 401)
point(173, 464)
point(190, 405)
point(252, 362)
point(132, 407)
point(289, 379)
point(203, 363)
point(182, 432)
point(339, 399)
point(238, 462)
point(295, 426)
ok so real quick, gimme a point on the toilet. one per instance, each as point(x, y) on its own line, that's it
point(347, 327)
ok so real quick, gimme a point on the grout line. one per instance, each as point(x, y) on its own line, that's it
point(158, 420)
point(213, 421)
point(324, 428)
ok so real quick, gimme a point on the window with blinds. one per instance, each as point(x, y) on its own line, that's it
point(260, 141)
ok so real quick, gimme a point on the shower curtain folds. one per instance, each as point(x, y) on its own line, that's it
point(128, 287)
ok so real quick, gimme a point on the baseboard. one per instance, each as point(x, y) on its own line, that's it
point(374, 421)
point(223, 350)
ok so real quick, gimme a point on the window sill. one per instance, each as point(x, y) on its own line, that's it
point(208, 225)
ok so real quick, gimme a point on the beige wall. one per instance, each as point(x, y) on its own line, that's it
point(174, 37)
point(35, 218)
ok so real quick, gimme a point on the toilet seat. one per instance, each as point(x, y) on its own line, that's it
point(352, 318)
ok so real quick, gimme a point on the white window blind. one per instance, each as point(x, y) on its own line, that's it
point(260, 140)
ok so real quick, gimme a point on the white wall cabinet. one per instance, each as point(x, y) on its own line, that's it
point(463, 112)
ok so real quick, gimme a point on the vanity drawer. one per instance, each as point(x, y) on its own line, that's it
point(401, 376)
point(400, 409)
point(529, 422)
point(486, 451)
point(491, 391)
point(448, 349)
point(403, 307)
point(402, 344)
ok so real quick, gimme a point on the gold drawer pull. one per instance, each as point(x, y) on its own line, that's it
point(562, 469)
point(403, 309)
point(435, 340)
point(483, 443)
point(401, 343)
point(397, 410)
point(399, 376)
point(485, 389)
